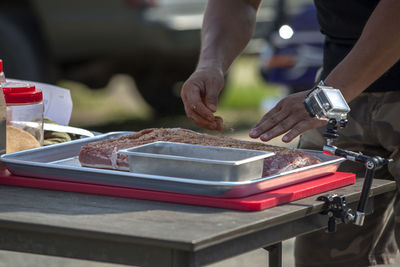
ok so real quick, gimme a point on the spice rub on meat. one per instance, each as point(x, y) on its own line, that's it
point(104, 154)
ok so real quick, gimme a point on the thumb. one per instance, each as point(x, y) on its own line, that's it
point(212, 100)
point(211, 97)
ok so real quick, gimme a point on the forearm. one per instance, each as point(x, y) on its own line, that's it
point(227, 28)
point(375, 52)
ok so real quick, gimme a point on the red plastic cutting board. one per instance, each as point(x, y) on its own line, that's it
point(250, 203)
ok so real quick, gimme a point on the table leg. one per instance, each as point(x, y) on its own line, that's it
point(274, 255)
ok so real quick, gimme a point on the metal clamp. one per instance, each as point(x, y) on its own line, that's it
point(336, 209)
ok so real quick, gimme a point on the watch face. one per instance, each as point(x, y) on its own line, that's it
point(327, 102)
point(337, 102)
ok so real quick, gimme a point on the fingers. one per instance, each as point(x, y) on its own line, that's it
point(219, 121)
point(194, 106)
point(200, 96)
point(214, 124)
point(269, 121)
point(301, 127)
point(292, 125)
point(211, 99)
point(294, 130)
point(289, 116)
point(278, 129)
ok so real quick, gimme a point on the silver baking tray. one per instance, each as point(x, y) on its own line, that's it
point(196, 161)
point(60, 162)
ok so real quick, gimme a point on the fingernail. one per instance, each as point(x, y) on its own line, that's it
point(285, 138)
point(264, 136)
point(253, 132)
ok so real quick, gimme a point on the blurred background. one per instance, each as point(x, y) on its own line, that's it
point(125, 60)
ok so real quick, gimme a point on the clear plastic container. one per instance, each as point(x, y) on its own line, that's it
point(2, 116)
point(24, 115)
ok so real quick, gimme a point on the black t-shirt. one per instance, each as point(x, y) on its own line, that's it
point(342, 22)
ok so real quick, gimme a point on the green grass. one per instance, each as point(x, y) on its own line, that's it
point(245, 87)
point(118, 102)
point(84, 97)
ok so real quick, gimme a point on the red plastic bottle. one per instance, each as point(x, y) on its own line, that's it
point(2, 76)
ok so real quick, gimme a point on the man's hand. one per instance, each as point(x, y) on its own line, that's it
point(200, 97)
point(227, 28)
point(288, 116)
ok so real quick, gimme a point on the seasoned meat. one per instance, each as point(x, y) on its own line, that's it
point(104, 154)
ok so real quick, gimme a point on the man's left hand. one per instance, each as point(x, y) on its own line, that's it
point(288, 116)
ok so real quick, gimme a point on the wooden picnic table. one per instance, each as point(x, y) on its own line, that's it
point(151, 233)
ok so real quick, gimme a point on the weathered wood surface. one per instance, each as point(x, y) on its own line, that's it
point(176, 225)
point(182, 231)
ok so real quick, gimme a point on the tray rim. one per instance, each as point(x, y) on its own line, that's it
point(261, 154)
point(8, 159)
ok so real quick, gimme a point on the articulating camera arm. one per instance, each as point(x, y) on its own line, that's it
point(329, 103)
point(336, 205)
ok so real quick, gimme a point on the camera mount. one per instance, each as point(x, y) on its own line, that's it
point(328, 103)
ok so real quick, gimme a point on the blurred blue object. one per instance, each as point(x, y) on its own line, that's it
point(293, 54)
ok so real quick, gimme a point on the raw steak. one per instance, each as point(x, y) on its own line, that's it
point(104, 154)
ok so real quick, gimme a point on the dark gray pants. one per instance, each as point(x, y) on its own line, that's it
point(373, 129)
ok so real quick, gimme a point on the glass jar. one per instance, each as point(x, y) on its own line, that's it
point(24, 116)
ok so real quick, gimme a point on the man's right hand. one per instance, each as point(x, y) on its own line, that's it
point(200, 97)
